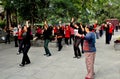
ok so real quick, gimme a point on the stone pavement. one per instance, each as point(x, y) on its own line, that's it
point(61, 65)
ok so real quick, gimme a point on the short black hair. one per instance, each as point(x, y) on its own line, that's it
point(77, 23)
point(90, 27)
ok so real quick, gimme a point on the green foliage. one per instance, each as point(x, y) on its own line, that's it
point(2, 24)
point(56, 10)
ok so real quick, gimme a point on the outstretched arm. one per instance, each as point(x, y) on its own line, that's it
point(71, 23)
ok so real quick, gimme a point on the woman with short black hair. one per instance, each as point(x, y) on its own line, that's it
point(89, 50)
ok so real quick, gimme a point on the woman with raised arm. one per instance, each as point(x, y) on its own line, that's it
point(77, 29)
point(47, 32)
point(27, 44)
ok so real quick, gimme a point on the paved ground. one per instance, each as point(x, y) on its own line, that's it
point(61, 65)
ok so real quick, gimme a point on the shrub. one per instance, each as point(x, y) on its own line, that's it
point(2, 24)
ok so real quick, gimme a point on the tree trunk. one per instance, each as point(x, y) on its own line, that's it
point(8, 18)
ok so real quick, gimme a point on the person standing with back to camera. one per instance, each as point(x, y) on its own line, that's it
point(89, 51)
point(27, 44)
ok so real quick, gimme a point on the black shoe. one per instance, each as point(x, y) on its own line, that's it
point(74, 57)
point(48, 55)
point(59, 49)
point(16, 46)
point(108, 43)
point(45, 54)
point(18, 53)
point(82, 52)
point(78, 57)
point(22, 65)
point(28, 63)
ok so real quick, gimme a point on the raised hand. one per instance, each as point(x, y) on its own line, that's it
point(72, 19)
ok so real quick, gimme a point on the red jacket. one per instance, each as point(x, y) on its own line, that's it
point(67, 32)
point(111, 29)
point(39, 31)
point(20, 35)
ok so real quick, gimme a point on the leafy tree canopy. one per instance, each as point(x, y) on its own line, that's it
point(55, 10)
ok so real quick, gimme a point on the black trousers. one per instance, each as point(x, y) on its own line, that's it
point(107, 38)
point(71, 38)
point(21, 46)
point(25, 58)
point(16, 41)
point(110, 36)
point(82, 41)
point(101, 33)
point(66, 41)
point(7, 38)
point(77, 41)
point(59, 43)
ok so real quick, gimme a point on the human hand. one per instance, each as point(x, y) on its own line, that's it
point(72, 19)
point(27, 23)
point(45, 22)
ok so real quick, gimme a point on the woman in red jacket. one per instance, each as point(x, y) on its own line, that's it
point(67, 34)
point(110, 31)
point(20, 39)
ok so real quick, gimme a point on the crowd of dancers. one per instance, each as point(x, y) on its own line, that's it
point(72, 33)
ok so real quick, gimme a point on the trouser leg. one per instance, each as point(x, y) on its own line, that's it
point(59, 44)
point(90, 58)
point(76, 47)
point(46, 42)
point(25, 58)
point(16, 41)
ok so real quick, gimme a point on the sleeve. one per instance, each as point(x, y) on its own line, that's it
point(71, 25)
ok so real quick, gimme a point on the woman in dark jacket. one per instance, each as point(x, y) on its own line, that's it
point(77, 29)
point(47, 33)
point(59, 36)
point(26, 42)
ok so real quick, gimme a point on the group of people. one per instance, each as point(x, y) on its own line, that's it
point(86, 36)
point(22, 36)
point(81, 35)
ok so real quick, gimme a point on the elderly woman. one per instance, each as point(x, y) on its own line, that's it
point(89, 51)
